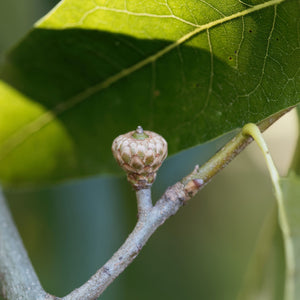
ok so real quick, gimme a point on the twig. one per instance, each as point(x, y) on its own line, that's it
point(150, 218)
point(144, 202)
point(18, 280)
point(164, 208)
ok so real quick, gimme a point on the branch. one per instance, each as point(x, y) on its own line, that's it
point(18, 280)
point(164, 208)
point(150, 218)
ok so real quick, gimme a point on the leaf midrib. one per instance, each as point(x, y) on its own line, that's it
point(29, 129)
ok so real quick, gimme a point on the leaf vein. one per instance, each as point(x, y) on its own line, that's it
point(240, 45)
point(265, 57)
point(27, 130)
point(130, 13)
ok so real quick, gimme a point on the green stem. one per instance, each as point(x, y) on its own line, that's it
point(201, 176)
point(295, 164)
point(253, 130)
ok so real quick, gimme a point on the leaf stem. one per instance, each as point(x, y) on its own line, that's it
point(253, 130)
point(224, 156)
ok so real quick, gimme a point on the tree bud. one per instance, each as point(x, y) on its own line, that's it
point(140, 153)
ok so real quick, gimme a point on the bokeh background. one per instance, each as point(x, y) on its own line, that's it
point(72, 228)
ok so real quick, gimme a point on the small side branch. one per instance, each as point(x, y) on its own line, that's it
point(18, 280)
point(164, 208)
point(144, 202)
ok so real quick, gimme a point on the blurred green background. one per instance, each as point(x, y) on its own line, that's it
point(71, 229)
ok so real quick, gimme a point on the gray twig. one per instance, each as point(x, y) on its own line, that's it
point(144, 202)
point(156, 216)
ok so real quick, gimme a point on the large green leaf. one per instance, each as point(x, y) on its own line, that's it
point(190, 70)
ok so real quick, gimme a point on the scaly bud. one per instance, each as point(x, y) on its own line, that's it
point(140, 153)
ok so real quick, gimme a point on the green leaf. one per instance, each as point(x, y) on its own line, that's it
point(189, 70)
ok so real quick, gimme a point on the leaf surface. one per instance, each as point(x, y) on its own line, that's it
point(189, 70)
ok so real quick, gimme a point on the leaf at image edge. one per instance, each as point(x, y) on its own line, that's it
point(214, 82)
